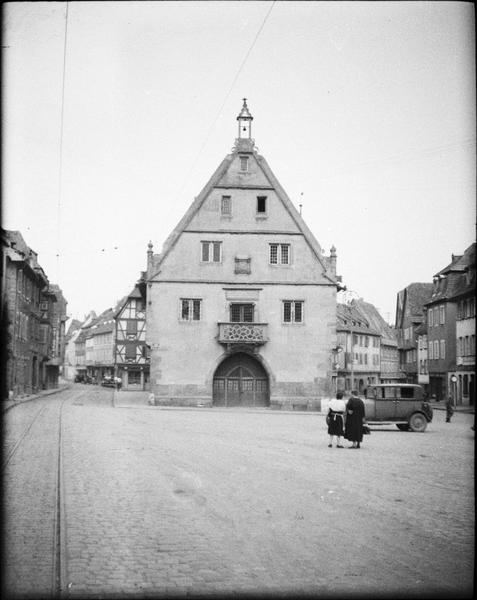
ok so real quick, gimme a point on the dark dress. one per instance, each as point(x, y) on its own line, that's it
point(335, 422)
point(354, 419)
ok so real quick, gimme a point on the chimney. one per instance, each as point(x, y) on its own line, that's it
point(149, 258)
point(332, 260)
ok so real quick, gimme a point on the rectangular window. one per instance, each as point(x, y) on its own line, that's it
point(279, 254)
point(226, 206)
point(293, 311)
point(130, 351)
point(244, 163)
point(431, 351)
point(436, 349)
point(443, 348)
point(430, 317)
point(211, 252)
point(190, 309)
point(241, 313)
point(436, 316)
point(261, 205)
point(442, 314)
point(131, 327)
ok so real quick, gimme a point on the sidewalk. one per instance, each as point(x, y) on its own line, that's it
point(462, 409)
point(7, 404)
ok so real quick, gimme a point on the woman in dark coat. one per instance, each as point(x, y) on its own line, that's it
point(355, 418)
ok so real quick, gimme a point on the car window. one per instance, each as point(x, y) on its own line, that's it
point(389, 392)
point(407, 392)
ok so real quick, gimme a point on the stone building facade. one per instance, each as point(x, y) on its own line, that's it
point(33, 316)
point(389, 357)
point(358, 351)
point(99, 345)
point(410, 315)
point(451, 330)
point(241, 302)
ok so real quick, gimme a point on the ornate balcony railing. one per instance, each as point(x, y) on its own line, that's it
point(243, 333)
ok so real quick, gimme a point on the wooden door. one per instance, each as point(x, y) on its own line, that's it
point(241, 381)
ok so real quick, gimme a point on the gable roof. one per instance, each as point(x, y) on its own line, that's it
point(216, 179)
point(349, 318)
point(412, 297)
point(371, 313)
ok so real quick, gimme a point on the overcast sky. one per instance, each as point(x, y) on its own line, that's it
point(365, 112)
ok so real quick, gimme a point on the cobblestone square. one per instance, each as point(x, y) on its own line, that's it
point(239, 500)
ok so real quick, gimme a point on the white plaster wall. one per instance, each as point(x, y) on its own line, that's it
point(185, 260)
point(185, 353)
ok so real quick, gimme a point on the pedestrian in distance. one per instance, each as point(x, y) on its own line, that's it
point(335, 419)
point(119, 383)
point(355, 419)
point(449, 409)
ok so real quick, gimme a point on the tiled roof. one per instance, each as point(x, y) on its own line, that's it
point(417, 295)
point(421, 329)
point(371, 314)
point(456, 279)
point(74, 326)
point(349, 318)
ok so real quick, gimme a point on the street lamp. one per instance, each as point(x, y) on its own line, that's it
point(454, 387)
point(335, 352)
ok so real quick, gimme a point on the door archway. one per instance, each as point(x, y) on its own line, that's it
point(240, 380)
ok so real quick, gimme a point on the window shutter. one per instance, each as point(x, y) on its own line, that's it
point(287, 312)
point(216, 251)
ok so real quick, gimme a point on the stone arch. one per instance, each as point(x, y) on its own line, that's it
point(241, 380)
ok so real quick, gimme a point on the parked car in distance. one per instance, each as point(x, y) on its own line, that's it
point(108, 382)
point(401, 403)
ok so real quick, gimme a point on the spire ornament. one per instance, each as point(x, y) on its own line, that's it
point(244, 142)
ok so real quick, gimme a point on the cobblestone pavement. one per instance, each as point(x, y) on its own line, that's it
point(164, 501)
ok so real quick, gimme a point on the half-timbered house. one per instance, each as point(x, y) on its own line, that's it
point(131, 353)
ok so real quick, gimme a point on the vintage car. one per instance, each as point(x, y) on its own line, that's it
point(108, 381)
point(403, 404)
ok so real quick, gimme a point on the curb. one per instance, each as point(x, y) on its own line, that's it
point(8, 404)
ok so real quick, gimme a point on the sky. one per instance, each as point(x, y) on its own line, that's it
point(116, 114)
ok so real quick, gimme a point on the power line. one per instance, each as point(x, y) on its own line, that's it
point(226, 98)
point(60, 173)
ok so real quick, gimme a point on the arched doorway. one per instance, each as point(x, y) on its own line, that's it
point(240, 380)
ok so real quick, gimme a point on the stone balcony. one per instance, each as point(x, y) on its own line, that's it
point(254, 334)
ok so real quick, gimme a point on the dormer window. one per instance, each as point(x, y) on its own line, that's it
point(244, 163)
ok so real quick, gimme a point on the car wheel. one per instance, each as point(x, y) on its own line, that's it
point(403, 426)
point(418, 422)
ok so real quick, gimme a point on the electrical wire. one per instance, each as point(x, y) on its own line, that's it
point(225, 100)
point(60, 171)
